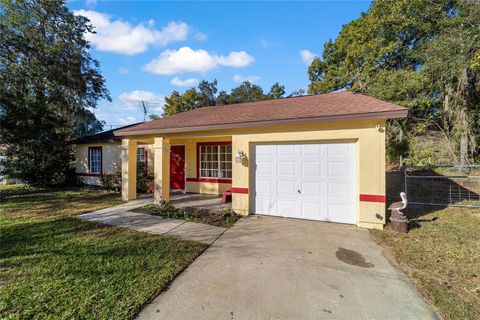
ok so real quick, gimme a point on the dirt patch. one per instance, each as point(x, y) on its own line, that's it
point(352, 257)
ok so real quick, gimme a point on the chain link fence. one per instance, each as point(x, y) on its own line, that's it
point(449, 185)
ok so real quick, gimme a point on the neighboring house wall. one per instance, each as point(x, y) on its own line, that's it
point(111, 154)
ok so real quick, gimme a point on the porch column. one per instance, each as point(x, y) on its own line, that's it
point(129, 169)
point(161, 169)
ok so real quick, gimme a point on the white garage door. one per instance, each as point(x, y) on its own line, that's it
point(307, 181)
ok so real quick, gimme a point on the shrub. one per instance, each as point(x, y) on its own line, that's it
point(226, 218)
point(230, 217)
point(144, 178)
point(112, 181)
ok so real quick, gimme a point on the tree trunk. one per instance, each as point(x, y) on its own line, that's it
point(463, 121)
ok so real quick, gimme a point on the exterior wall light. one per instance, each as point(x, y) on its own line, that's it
point(240, 156)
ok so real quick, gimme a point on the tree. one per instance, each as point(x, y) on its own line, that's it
point(86, 123)
point(48, 81)
point(450, 64)
point(419, 54)
point(177, 102)
point(153, 117)
point(246, 92)
point(223, 98)
point(207, 91)
point(206, 96)
point(277, 91)
point(297, 93)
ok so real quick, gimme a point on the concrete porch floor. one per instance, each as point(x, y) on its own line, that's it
point(200, 201)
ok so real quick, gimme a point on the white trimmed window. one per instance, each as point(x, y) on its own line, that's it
point(216, 161)
point(95, 160)
point(141, 151)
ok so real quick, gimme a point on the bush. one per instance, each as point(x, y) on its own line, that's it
point(112, 181)
point(230, 217)
point(144, 178)
point(226, 218)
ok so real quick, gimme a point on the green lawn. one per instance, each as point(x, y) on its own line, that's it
point(55, 266)
point(442, 256)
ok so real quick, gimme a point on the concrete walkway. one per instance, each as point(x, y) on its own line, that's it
point(122, 216)
point(277, 268)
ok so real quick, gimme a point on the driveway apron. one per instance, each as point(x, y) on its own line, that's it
point(277, 268)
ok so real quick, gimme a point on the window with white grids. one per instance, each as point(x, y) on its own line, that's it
point(216, 161)
point(141, 154)
point(95, 160)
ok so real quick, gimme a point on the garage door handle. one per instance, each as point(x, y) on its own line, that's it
point(298, 190)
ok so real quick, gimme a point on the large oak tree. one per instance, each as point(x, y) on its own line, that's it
point(420, 54)
point(48, 84)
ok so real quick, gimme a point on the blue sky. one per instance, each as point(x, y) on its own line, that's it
point(147, 49)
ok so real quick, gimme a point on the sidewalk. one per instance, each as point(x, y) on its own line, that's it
point(121, 216)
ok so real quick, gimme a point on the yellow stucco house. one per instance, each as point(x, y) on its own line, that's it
point(100, 153)
point(319, 157)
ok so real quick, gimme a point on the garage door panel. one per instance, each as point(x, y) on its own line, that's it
point(286, 188)
point(338, 149)
point(312, 210)
point(339, 169)
point(310, 188)
point(263, 187)
point(264, 150)
point(338, 191)
point(264, 168)
point(310, 149)
point(285, 150)
point(311, 169)
point(339, 213)
point(266, 206)
point(286, 208)
point(286, 168)
point(317, 182)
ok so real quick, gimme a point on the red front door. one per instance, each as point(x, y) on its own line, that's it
point(177, 168)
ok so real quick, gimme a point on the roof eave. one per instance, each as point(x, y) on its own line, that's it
point(114, 139)
point(394, 114)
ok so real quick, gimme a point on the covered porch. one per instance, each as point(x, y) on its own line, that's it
point(188, 171)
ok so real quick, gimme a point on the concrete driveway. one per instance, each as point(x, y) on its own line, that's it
point(277, 268)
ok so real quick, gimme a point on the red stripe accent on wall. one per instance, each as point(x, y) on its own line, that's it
point(372, 198)
point(86, 174)
point(214, 180)
point(239, 190)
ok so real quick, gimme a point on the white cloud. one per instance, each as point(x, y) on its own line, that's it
point(127, 120)
point(123, 70)
point(176, 81)
point(240, 79)
point(133, 100)
point(235, 59)
point(124, 38)
point(200, 36)
point(185, 59)
point(307, 56)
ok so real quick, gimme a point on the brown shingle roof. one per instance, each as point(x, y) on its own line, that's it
point(104, 136)
point(314, 108)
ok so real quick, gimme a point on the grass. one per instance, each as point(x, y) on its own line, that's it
point(441, 254)
point(226, 218)
point(55, 266)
